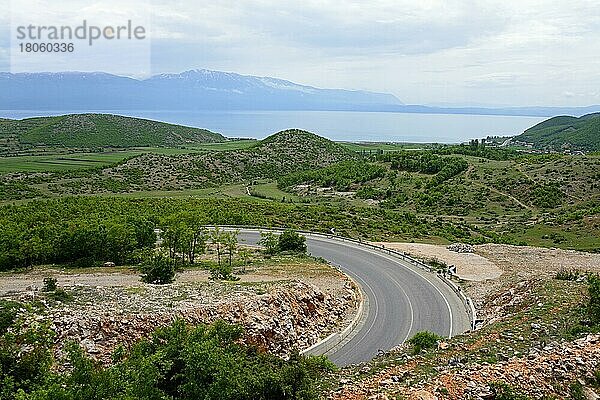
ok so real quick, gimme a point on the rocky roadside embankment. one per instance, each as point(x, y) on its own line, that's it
point(536, 374)
point(542, 372)
point(277, 316)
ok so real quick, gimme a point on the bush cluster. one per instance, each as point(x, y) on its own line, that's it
point(176, 362)
point(423, 341)
point(86, 231)
point(158, 269)
point(340, 176)
point(288, 241)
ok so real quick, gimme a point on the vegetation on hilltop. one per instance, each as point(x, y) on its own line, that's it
point(340, 176)
point(564, 132)
point(303, 141)
point(98, 130)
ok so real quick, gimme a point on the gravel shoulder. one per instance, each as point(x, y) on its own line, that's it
point(469, 266)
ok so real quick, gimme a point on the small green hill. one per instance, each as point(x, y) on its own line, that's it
point(280, 154)
point(565, 132)
point(292, 150)
point(102, 130)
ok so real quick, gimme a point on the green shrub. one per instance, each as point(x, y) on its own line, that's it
point(184, 362)
point(54, 292)
point(292, 241)
point(270, 242)
point(565, 274)
point(25, 354)
point(223, 271)
point(596, 379)
point(49, 284)
point(576, 391)
point(424, 340)
point(8, 313)
point(158, 269)
point(60, 294)
point(547, 195)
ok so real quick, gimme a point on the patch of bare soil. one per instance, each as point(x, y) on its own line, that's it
point(469, 266)
point(520, 263)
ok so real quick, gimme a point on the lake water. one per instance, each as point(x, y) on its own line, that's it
point(335, 125)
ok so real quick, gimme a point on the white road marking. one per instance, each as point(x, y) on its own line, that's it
point(369, 310)
point(397, 261)
point(412, 312)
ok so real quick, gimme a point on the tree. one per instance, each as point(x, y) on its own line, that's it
point(198, 242)
point(172, 238)
point(185, 236)
point(217, 238)
point(230, 241)
point(292, 241)
point(158, 269)
point(121, 241)
point(245, 256)
point(269, 241)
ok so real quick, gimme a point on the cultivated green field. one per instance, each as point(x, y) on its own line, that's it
point(231, 145)
point(63, 162)
point(376, 146)
point(73, 161)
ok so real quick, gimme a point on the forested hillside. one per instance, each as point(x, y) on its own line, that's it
point(564, 132)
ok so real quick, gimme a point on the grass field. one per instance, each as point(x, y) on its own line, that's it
point(269, 190)
point(63, 162)
point(377, 146)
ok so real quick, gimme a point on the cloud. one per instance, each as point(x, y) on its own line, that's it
point(336, 28)
point(459, 51)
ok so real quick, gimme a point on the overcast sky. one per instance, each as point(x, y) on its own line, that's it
point(479, 52)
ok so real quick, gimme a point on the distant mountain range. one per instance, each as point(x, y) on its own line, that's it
point(565, 132)
point(191, 90)
point(206, 90)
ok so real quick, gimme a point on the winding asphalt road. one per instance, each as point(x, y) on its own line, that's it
point(401, 299)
